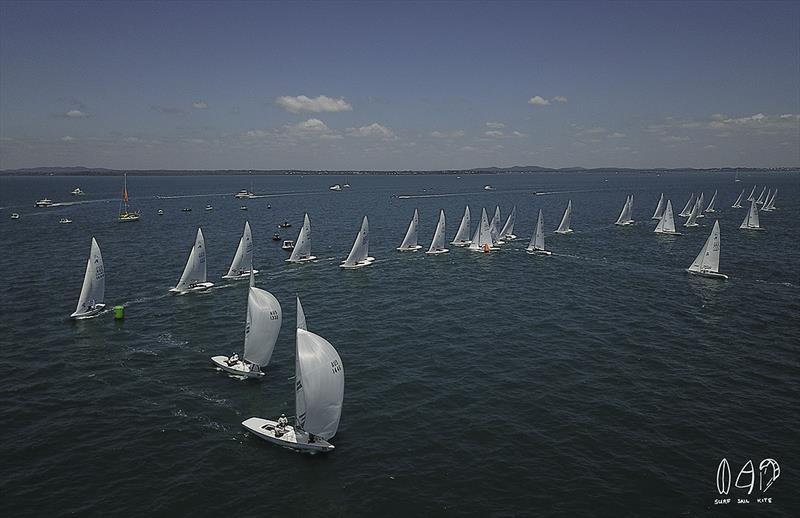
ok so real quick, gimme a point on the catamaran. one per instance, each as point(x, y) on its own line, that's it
point(90, 302)
point(194, 273)
point(738, 203)
point(243, 259)
point(687, 209)
point(437, 244)
point(359, 255)
point(319, 394)
point(302, 247)
point(507, 232)
point(659, 208)
point(751, 219)
point(462, 236)
point(710, 207)
point(125, 213)
point(707, 261)
point(494, 227)
point(482, 240)
point(563, 227)
point(409, 243)
point(264, 317)
point(692, 221)
point(666, 225)
point(536, 246)
point(625, 215)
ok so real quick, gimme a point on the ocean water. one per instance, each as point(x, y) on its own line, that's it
point(600, 381)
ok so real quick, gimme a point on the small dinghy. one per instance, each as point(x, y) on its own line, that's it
point(319, 394)
point(302, 247)
point(494, 227)
point(288, 245)
point(410, 243)
point(488, 188)
point(194, 274)
point(563, 227)
point(624, 218)
point(692, 221)
point(209, 207)
point(710, 207)
point(738, 203)
point(482, 239)
point(160, 212)
point(751, 219)
point(462, 236)
point(243, 259)
point(536, 246)
point(264, 317)
point(507, 232)
point(437, 244)
point(90, 302)
point(335, 187)
point(666, 225)
point(707, 261)
point(359, 255)
point(285, 224)
point(659, 208)
point(276, 237)
point(65, 221)
point(14, 215)
point(243, 207)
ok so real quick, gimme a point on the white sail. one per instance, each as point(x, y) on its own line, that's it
point(410, 241)
point(94, 282)
point(563, 227)
point(765, 203)
point(508, 229)
point(699, 203)
point(625, 214)
point(659, 208)
point(710, 207)
point(462, 236)
point(708, 258)
point(482, 234)
point(751, 218)
point(360, 250)
point(437, 245)
point(770, 205)
point(264, 317)
point(688, 207)
point(494, 225)
point(302, 247)
point(760, 198)
point(666, 225)
point(752, 194)
point(738, 203)
point(243, 259)
point(692, 221)
point(301, 316)
point(195, 269)
point(537, 240)
point(319, 385)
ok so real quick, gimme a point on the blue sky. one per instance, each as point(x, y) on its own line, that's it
point(382, 85)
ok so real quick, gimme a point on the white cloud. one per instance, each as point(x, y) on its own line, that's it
point(560, 99)
point(258, 134)
point(76, 114)
point(673, 138)
point(199, 105)
point(67, 139)
point(519, 134)
point(320, 104)
point(596, 130)
point(444, 134)
point(467, 148)
point(495, 125)
point(372, 130)
point(710, 146)
point(537, 100)
point(494, 133)
point(310, 126)
point(616, 134)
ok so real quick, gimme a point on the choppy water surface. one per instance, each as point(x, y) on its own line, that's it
point(601, 381)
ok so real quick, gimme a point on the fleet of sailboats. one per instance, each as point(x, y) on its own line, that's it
point(91, 299)
point(194, 277)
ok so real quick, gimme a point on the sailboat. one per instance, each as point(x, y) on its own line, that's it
point(699, 204)
point(264, 318)
point(243, 259)
point(770, 205)
point(437, 245)
point(687, 209)
point(692, 221)
point(752, 194)
point(302, 247)
point(482, 239)
point(738, 203)
point(359, 255)
point(409, 243)
point(194, 274)
point(90, 302)
point(766, 200)
point(666, 225)
point(494, 227)
point(710, 207)
point(659, 208)
point(760, 198)
point(124, 211)
point(536, 246)
point(319, 394)
point(507, 232)
point(625, 214)
point(707, 261)
point(462, 236)
point(563, 227)
point(751, 219)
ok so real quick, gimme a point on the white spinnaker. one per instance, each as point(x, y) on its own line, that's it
point(565, 220)
point(688, 207)
point(738, 203)
point(508, 228)
point(302, 247)
point(438, 235)
point(667, 222)
point(537, 240)
point(494, 226)
point(301, 316)
point(710, 207)
point(243, 260)
point(93, 289)
point(264, 317)
point(360, 249)
point(195, 269)
point(319, 389)
point(483, 234)
point(463, 229)
point(708, 258)
point(659, 208)
point(410, 241)
point(751, 218)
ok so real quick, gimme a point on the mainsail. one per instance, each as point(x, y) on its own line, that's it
point(666, 225)
point(437, 244)
point(462, 236)
point(302, 247)
point(710, 207)
point(752, 194)
point(482, 237)
point(94, 282)
point(319, 385)
point(360, 250)
point(692, 221)
point(738, 203)
point(494, 226)
point(659, 208)
point(410, 241)
point(243, 260)
point(688, 207)
point(195, 270)
point(708, 258)
point(563, 227)
point(537, 240)
point(751, 218)
point(508, 229)
point(301, 316)
point(264, 317)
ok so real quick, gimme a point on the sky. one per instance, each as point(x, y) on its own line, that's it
point(399, 85)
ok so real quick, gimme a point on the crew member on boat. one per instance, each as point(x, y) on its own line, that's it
point(233, 360)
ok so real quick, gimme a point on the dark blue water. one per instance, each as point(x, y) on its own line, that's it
point(601, 381)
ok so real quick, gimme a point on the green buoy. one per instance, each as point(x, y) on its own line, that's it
point(119, 312)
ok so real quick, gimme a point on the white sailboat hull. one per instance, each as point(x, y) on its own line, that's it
point(366, 262)
point(667, 233)
point(691, 225)
point(302, 259)
point(568, 231)
point(760, 229)
point(200, 286)
point(710, 275)
point(239, 277)
point(437, 252)
point(98, 308)
point(461, 243)
point(624, 223)
point(409, 248)
point(539, 252)
point(239, 368)
point(291, 438)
